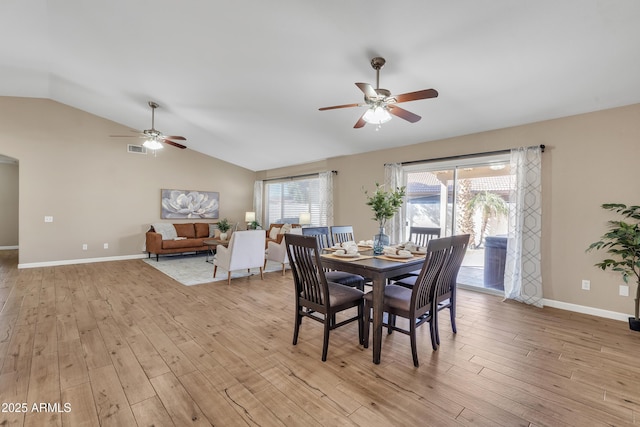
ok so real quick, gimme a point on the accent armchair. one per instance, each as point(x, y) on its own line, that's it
point(245, 250)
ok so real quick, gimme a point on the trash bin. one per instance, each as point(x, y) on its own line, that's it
point(495, 255)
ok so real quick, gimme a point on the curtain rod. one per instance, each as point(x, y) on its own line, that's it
point(463, 156)
point(296, 176)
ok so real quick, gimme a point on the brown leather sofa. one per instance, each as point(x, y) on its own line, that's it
point(190, 237)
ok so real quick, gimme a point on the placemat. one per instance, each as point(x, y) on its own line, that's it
point(388, 258)
point(358, 258)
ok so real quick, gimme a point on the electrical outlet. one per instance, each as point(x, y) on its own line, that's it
point(84, 247)
point(48, 219)
point(106, 246)
point(586, 284)
point(624, 291)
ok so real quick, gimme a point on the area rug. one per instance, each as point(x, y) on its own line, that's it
point(194, 270)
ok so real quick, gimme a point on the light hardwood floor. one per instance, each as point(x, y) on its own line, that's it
point(124, 345)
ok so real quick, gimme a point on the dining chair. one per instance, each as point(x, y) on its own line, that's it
point(420, 236)
point(323, 236)
point(277, 252)
point(315, 296)
point(445, 294)
point(342, 233)
point(416, 304)
point(245, 250)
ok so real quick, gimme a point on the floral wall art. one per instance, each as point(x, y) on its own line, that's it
point(189, 204)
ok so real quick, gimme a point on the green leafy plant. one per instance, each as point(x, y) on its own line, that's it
point(254, 225)
point(622, 243)
point(223, 225)
point(385, 203)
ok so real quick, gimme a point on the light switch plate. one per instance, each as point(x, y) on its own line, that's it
point(48, 219)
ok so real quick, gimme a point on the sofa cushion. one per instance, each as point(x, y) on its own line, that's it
point(185, 230)
point(181, 243)
point(202, 229)
point(165, 229)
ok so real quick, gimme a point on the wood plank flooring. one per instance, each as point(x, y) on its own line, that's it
point(121, 344)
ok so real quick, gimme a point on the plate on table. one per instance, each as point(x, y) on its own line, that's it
point(347, 255)
point(399, 256)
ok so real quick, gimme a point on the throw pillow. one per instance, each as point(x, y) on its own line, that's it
point(285, 228)
point(166, 230)
point(213, 228)
point(273, 233)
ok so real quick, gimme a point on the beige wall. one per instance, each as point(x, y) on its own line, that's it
point(8, 204)
point(589, 159)
point(96, 191)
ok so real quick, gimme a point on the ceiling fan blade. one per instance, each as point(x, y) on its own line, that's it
point(339, 106)
point(175, 144)
point(367, 89)
point(403, 114)
point(360, 123)
point(414, 96)
point(179, 138)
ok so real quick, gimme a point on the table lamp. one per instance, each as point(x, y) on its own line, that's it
point(249, 217)
point(305, 218)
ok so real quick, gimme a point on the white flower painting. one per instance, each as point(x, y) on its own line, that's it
point(189, 204)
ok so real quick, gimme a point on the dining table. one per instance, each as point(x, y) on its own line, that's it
point(377, 268)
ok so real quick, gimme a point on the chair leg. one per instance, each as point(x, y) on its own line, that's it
point(261, 273)
point(296, 326)
point(215, 269)
point(367, 319)
point(452, 313)
point(414, 347)
point(361, 323)
point(229, 278)
point(433, 331)
point(284, 268)
point(325, 344)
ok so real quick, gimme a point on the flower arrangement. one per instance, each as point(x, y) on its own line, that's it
point(385, 203)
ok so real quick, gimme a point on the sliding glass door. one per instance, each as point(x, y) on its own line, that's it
point(467, 196)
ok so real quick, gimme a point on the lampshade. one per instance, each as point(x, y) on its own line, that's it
point(152, 144)
point(376, 116)
point(305, 218)
point(249, 216)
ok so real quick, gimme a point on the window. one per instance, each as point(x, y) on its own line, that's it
point(285, 200)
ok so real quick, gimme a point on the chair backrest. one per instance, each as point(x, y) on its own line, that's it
point(246, 249)
point(422, 296)
point(421, 235)
point(322, 235)
point(342, 233)
point(449, 274)
point(311, 284)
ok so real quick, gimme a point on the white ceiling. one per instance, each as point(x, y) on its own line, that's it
point(243, 80)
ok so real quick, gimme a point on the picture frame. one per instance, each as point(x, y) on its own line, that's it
point(189, 204)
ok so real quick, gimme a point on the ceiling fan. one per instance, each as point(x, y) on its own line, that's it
point(381, 104)
point(154, 137)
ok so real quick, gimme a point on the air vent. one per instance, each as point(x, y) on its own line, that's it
point(138, 149)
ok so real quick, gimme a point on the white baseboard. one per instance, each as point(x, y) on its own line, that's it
point(587, 310)
point(8, 248)
point(81, 261)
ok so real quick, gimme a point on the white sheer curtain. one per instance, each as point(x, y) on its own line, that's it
point(522, 277)
point(326, 197)
point(257, 201)
point(392, 180)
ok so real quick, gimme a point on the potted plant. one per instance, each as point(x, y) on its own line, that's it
point(384, 204)
point(254, 225)
point(622, 243)
point(223, 226)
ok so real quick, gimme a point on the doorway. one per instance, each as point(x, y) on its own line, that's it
point(465, 196)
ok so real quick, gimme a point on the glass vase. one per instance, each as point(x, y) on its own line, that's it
point(380, 240)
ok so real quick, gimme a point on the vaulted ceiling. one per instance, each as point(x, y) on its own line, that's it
point(243, 80)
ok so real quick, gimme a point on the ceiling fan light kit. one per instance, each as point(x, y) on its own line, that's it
point(381, 104)
point(153, 137)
